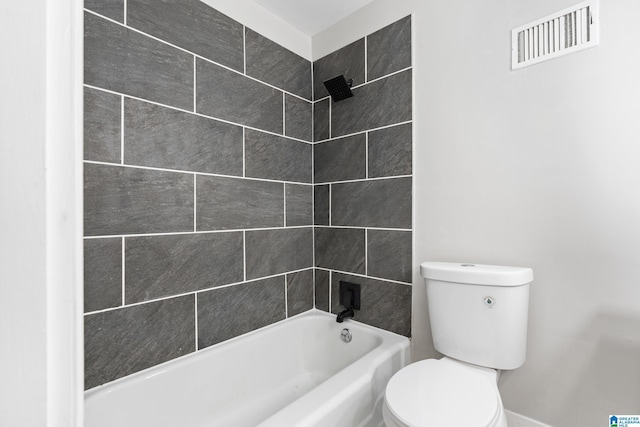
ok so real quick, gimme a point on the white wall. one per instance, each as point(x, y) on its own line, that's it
point(539, 168)
point(41, 214)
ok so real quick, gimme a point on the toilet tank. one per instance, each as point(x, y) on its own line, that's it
point(479, 313)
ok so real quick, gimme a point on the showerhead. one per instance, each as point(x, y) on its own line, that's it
point(339, 88)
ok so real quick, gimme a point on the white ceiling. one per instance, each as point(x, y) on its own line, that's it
point(312, 16)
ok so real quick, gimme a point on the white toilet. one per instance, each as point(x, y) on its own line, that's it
point(478, 315)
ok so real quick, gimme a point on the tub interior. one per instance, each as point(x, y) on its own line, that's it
point(265, 371)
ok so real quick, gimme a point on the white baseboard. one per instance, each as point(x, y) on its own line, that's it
point(517, 420)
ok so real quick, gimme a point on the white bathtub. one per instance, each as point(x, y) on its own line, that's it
point(297, 372)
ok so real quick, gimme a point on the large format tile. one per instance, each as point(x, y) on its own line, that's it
point(127, 340)
point(389, 255)
point(271, 63)
point(384, 304)
point(235, 203)
point(340, 159)
point(159, 266)
point(275, 157)
point(191, 25)
point(348, 61)
point(389, 49)
point(321, 286)
point(102, 273)
point(122, 60)
point(102, 118)
point(340, 249)
point(321, 205)
point(227, 312)
point(298, 118)
point(299, 292)
point(122, 200)
point(390, 151)
point(321, 120)
point(270, 252)
point(378, 203)
point(227, 95)
point(299, 204)
point(166, 138)
point(384, 102)
point(113, 9)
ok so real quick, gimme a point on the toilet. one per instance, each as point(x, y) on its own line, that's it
point(478, 316)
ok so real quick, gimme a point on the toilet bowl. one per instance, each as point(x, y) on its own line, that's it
point(443, 392)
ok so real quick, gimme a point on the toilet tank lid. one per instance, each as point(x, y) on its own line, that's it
point(476, 274)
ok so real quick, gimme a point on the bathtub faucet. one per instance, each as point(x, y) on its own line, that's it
point(349, 299)
point(344, 314)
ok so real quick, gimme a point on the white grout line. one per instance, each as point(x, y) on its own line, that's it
point(330, 285)
point(244, 254)
point(330, 102)
point(356, 227)
point(244, 165)
point(196, 318)
point(377, 178)
point(313, 284)
point(198, 291)
point(363, 131)
point(364, 276)
point(195, 54)
point(366, 155)
point(284, 199)
point(122, 129)
point(195, 193)
point(284, 114)
point(286, 296)
point(244, 49)
point(179, 171)
point(366, 72)
point(366, 261)
point(195, 85)
point(329, 205)
point(195, 113)
point(383, 77)
point(185, 233)
point(123, 272)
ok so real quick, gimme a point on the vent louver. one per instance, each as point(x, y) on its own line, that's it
point(570, 30)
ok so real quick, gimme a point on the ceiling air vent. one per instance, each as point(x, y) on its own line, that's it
point(561, 33)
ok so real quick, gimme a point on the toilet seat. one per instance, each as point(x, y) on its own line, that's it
point(442, 392)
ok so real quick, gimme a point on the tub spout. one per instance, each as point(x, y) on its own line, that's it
point(344, 314)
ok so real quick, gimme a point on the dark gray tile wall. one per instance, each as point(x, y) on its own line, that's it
point(271, 63)
point(121, 342)
point(299, 292)
point(125, 61)
point(160, 266)
point(270, 252)
point(227, 95)
point(121, 200)
point(390, 151)
point(394, 38)
point(102, 131)
point(191, 25)
point(274, 157)
point(161, 137)
point(234, 203)
point(186, 153)
point(299, 204)
point(386, 305)
point(225, 313)
point(362, 175)
point(340, 159)
point(102, 273)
